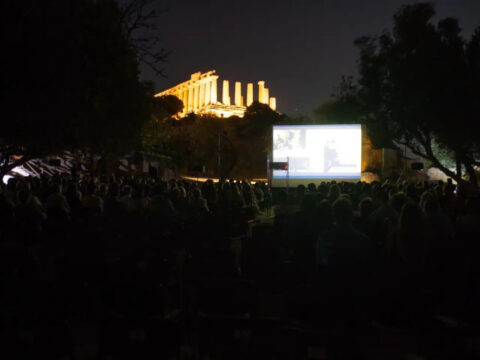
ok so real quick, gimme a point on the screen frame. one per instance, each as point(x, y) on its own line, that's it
point(285, 182)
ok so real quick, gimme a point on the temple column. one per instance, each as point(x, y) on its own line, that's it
point(249, 94)
point(273, 103)
point(185, 100)
point(201, 100)
point(179, 95)
point(213, 94)
point(190, 99)
point(265, 96)
point(208, 91)
point(195, 98)
point(238, 93)
point(261, 87)
point(225, 94)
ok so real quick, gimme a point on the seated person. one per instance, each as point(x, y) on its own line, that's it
point(343, 245)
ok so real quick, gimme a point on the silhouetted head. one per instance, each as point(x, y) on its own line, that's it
point(91, 188)
point(342, 210)
point(380, 196)
point(308, 204)
point(411, 191)
point(411, 219)
point(196, 193)
point(24, 196)
point(325, 212)
point(55, 188)
point(334, 192)
point(429, 203)
point(113, 189)
point(366, 207)
point(398, 200)
point(312, 188)
point(127, 191)
point(300, 191)
point(323, 189)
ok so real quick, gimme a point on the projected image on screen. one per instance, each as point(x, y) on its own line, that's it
point(318, 151)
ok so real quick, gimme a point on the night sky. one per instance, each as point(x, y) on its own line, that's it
point(300, 48)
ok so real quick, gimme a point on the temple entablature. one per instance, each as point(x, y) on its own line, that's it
point(199, 95)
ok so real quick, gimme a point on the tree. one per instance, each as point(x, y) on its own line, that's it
point(258, 119)
point(167, 107)
point(231, 146)
point(335, 111)
point(140, 19)
point(210, 145)
point(162, 135)
point(420, 85)
point(70, 80)
point(192, 142)
point(252, 137)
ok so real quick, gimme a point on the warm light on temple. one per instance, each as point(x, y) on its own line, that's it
point(199, 95)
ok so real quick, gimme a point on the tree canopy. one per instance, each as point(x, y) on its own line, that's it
point(166, 107)
point(225, 146)
point(419, 86)
point(70, 80)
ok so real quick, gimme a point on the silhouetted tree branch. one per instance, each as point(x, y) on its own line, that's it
point(139, 21)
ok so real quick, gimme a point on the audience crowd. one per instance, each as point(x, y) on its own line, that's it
point(134, 264)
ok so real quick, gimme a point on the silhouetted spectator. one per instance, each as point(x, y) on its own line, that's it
point(198, 204)
point(343, 246)
point(362, 222)
point(57, 204)
point(113, 208)
point(74, 199)
point(91, 202)
point(333, 193)
point(30, 216)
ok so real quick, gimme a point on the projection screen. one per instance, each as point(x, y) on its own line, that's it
point(316, 153)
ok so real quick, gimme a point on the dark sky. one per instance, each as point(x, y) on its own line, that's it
point(300, 48)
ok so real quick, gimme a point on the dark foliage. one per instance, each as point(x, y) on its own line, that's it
point(419, 86)
point(70, 80)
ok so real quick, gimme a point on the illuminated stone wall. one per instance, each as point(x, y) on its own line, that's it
point(199, 95)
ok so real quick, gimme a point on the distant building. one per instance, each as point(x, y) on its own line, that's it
point(199, 95)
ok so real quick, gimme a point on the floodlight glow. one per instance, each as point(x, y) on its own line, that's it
point(6, 178)
point(317, 152)
point(20, 171)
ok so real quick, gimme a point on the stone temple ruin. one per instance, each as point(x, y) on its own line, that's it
point(199, 95)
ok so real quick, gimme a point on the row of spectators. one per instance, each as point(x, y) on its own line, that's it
point(399, 254)
point(28, 203)
point(404, 244)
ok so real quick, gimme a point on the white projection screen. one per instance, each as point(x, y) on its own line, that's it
point(316, 153)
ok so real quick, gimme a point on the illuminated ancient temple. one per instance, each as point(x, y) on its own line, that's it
point(199, 95)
